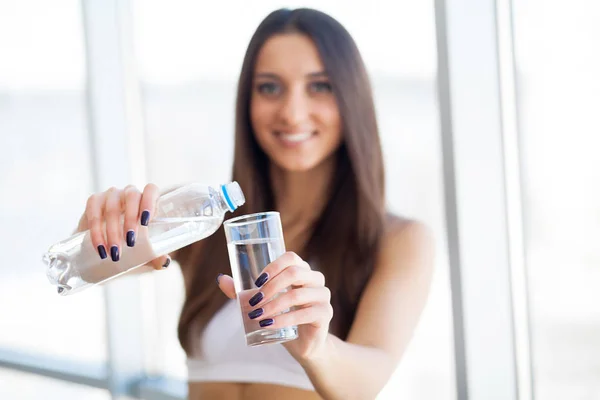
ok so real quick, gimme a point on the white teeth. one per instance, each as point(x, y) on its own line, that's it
point(296, 137)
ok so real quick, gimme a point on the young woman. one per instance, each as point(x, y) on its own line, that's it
point(307, 145)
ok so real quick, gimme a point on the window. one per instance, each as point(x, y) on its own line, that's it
point(559, 92)
point(45, 177)
point(29, 386)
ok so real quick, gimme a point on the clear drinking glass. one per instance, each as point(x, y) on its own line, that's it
point(253, 242)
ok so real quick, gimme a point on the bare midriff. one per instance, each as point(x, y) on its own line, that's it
point(247, 391)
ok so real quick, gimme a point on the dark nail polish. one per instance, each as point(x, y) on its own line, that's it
point(114, 253)
point(102, 251)
point(256, 313)
point(262, 279)
point(130, 238)
point(167, 263)
point(60, 290)
point(219, 277)
point(266, 322)
point(254, 300)
point(145, 217)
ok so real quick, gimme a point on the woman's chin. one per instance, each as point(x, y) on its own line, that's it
point(295, 166)
point(301, 164)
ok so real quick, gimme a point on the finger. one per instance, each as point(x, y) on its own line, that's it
point(293, 298)
point(226, 285)
point(318, 316)
point(291, 276)
point(112, 214)
point(148, 203)
point(131, 199)
point(280, 264)
point(93, 212)
point(161, 262)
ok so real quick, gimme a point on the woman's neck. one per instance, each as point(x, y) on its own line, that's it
point(301, 197)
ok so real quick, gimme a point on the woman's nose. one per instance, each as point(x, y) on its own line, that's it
point(294, 108)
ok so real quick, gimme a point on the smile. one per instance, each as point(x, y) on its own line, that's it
point(295, 137)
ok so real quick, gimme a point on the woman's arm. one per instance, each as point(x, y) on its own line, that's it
point(386, 317)
point(388, 312)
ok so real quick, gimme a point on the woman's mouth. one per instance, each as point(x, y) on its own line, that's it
point(295, 138)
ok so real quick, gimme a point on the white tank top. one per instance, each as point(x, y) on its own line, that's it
point(226, 358)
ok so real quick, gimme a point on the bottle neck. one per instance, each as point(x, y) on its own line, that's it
point(222, 202)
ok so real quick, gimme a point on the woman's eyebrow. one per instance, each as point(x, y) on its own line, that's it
point(319, 74)
point(269, 75)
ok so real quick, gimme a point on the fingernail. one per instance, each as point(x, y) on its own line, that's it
point(60, 290)
point(167, 263)
point(254, 300)
point(145, 217)
point(219, 277)
point(256, 313)
point(114, 253)
point(266, 322)
point(130, 238)
point(261, 279)
point(102, 251)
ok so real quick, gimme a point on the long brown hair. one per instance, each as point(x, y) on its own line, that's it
point(345, 239)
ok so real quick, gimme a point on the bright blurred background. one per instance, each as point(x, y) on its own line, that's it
point(183, 59)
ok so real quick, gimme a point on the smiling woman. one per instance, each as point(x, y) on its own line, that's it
point(304, 97)
point(359, 275)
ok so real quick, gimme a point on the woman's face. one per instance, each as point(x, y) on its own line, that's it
point(294, 113)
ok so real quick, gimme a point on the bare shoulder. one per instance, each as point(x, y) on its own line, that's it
point(405, 242)
point(398, 288)
point(402, 228)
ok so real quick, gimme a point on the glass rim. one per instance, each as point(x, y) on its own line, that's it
point(250, 218)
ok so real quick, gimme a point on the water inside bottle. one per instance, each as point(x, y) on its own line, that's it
point(74, 263)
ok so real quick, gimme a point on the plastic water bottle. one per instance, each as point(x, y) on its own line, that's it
point(183, 216)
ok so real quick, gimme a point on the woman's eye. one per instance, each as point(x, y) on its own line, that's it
point(269, 88)
point(320, 87)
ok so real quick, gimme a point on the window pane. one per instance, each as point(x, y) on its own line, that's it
point(189, 99)
point(45, 176)
point(559, 91)
point(24, 386)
